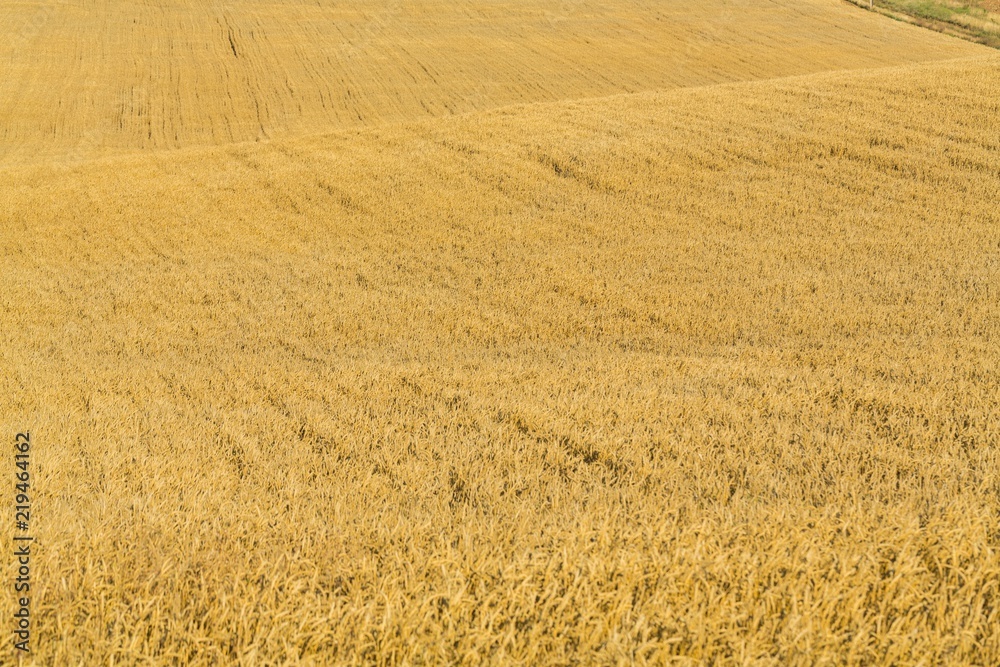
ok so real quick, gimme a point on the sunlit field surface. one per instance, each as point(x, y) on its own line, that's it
point(87, 78)
point(683, 374)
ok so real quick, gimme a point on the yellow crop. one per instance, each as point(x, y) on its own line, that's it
point(87, 78)
point(694, 375)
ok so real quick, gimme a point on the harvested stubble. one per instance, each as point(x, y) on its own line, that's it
point(90, 78)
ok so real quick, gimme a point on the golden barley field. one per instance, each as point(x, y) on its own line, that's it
point(646, 354)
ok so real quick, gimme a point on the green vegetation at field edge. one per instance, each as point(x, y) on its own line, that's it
point(976, 20)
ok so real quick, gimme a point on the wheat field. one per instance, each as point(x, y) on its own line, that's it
point(92, 78)
point(690, 359)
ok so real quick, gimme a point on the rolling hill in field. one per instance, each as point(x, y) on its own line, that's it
point(705, 373)
point(85, 79)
